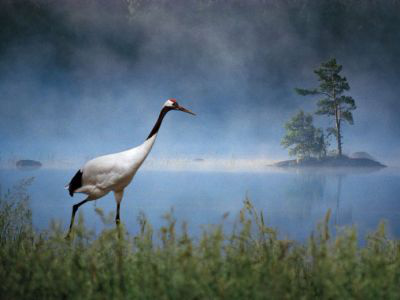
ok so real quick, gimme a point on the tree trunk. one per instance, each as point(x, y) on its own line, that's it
point(338, 129)
point(339, 138)
point(338, 134)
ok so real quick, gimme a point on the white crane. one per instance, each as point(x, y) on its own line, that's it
point(113, 172)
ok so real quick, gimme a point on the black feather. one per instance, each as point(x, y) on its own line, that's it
point(159, 121)
point(76, 183)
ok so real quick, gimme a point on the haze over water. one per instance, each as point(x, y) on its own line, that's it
point(84, 78)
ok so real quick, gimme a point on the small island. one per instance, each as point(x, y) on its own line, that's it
point(309, 144)
point(330, 162)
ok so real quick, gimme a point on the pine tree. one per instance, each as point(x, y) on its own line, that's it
point(332, 87)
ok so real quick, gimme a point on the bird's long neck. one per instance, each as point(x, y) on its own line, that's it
point(140, 153)
point(159, 121)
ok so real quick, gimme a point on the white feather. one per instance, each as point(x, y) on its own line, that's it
point(113, 172)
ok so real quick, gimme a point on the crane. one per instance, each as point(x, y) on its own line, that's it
point(113, 172)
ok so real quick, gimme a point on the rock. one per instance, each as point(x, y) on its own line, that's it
point(28, 164)
point(362, 154)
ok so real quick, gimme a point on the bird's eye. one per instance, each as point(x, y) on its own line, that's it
point(175, 104)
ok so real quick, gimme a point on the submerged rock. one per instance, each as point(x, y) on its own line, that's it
point(28, 164)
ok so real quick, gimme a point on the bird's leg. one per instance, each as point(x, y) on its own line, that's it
point(74, 210)
point(117, 220)
point(118, 198)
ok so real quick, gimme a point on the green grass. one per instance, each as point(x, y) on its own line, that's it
point(248, 263)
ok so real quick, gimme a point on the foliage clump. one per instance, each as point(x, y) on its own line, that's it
point(251, 262)
point(302, 138)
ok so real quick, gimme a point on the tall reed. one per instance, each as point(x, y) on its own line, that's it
point(250, 262)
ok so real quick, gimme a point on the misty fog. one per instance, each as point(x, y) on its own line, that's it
point(84, 78)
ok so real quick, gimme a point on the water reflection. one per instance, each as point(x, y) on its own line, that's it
point(311, 193)
point(293, 202)
point(304, 192)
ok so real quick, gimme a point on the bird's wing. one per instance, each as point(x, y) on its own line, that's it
point(100, 171)
point(109, 170)
point(105, 172)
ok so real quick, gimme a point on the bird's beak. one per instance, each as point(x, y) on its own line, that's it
point(186, 110)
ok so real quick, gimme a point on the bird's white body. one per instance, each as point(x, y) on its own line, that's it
point(113, 172)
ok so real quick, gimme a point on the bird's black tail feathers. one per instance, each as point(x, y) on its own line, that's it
point(76, 183)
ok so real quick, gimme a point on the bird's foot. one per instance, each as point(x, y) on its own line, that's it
point(68, 236)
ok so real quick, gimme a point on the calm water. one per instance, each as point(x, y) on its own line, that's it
point(294, 203)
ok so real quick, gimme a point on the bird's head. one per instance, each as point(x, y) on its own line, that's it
point(172, 104)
